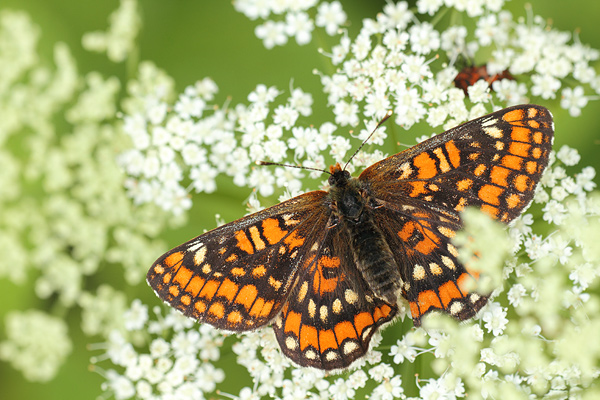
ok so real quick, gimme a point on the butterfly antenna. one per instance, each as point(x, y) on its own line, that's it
point(291, 166)
point(385, 118)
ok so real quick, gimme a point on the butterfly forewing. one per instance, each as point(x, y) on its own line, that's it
point(237, 277)
point(331, 315)
point(493, 162)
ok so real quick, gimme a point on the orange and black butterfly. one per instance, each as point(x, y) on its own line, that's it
point(327, 269)
point(471, 74)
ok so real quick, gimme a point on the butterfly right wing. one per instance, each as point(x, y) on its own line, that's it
point(238, 276)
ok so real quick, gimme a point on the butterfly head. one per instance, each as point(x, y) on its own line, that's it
point(339, 177)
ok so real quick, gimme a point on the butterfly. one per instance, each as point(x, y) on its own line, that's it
point(327, 269)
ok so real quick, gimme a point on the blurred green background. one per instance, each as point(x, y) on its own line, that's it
point(194, 39)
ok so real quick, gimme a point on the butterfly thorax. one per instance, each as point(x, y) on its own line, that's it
point(352, 205)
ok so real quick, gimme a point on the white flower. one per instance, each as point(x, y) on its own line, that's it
point(404, 350)
point(554, 212)
point(136, 316)
point(203, 178)
point(300, 26)
point(495, 319)
point(573, 100)
point(330, 16)
point(388, 389)
point(285, 116)
point(545, 86)
point(516, 294)
point(429, 6)
point(263, 94)
point(272, 34)
point(423, 38)
point(341, 390)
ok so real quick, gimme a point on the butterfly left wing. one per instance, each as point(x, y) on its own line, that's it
point(331, 315)
point(238, 276)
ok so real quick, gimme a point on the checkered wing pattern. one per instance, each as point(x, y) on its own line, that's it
point(493, 162)
point(331, 315)
point(238, 276)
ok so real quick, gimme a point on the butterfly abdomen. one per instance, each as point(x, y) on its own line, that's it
point(374, 258)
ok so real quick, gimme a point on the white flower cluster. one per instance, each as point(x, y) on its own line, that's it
point(180, 368)
point(37, 344)
point(291, 18)
point(412, 68)
point(118, 42)
point(184, 147)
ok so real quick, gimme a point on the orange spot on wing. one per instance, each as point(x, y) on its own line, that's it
point(259, 272)
point(292, 323)
point(344, 330)
point(499, 176)
point(464, 184)
point(512, 162)
point(425, 165)
point(520, 134)
point(195, 285)
point(514, 116)
point(531, 167)
point(256, 309)
point(243, 243)
point(246, 296)
point(266, 310)
point(538, 137)
point(521, 183)
point(231, 258)
point(228, 289)
point(490, 194)
point(174, 290)
point(427, 245)
point(428, 299)
point(453, 153)
point(238, 271)
point(174, 259)
point(234, 317)
point(217, 310)
point(513, 200)
point(185, 299)
point(407, 230)
point(183, 276)
point(448, 292)
point(200, 306)
point(480, 169)
point(294, 240)
point(519, 149)
point(271, 230)
point(418, 188)
point(362, 321)
point(209, 289)
point(309, 337)
point(327, 340)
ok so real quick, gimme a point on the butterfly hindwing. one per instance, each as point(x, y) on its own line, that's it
point(331, 315)
point(238, 276)
point(433, 278)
